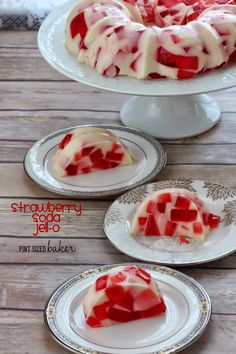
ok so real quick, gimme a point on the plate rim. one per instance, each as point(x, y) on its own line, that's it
point(206, 309)
point(156, 145)
point(144, 259)
point(68, 6)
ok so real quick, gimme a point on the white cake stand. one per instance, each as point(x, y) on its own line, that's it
point(166, 109)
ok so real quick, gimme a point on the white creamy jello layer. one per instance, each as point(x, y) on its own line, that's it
point(123, 294)
point(90, 149)
point(174, 212)
point(152, 39)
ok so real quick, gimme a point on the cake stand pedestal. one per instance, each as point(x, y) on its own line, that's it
point(171, 118)
point(174, 109)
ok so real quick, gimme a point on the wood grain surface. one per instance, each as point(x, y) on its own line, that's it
point(35, 100)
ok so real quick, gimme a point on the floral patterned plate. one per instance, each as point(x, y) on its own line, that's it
point(187, 315)
point(220, 200)
point(151, 158)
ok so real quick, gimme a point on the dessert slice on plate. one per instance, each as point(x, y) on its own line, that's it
point(123, 294)
point(89, 149)
point(174, 212)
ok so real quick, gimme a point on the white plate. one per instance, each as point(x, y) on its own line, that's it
point(219, 199)
point(188, 312)
point(150, 154)
point(51, 42)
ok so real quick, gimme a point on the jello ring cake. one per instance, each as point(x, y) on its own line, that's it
point(149, 39)
point(90, 149)
point(123, 294)
point(174, 212)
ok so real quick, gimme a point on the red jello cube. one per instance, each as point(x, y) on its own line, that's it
point(150, 207)
point(114, 164)
point(152, 228)
point(164, 198)
point(87, 150)
point(141, 273)
point(65, 141)
point(205, 218)
point(161, 207)
point(197, 228)
point(142, 220)
point(96, 155)
point(182, 202)
point(213, 221)
point(131, 269)
point(86, 169)
point(170, 228)
point(72, 169)
point(115, 147)
point(102, 164)
point(100, 312)
point(184, 74)
point(101, 282)
point(114, 156)
point(127, 302)
point(122, 316)
point(115, 293)
point(93, 322)
point(119, 277)
point(78, 25)
point(154, 311)
point(177, 61)
point(183, 215)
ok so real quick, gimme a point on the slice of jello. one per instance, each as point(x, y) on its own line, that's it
point(89, 149)
point(174, 212)
point(123, 294)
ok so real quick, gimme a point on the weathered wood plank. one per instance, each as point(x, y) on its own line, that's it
point(11, 151)
point(34, 125)
point(31, 335)
point(18, 39)
point(15, 291)
point(49, 95)
point(24, 65)
point(19, 185)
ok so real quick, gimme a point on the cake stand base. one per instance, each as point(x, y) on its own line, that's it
point(171, 117)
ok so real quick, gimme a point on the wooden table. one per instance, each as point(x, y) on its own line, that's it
point(34, 101)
